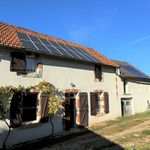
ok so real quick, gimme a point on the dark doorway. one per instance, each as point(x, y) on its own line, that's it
point(83, 109)
point(70, 114)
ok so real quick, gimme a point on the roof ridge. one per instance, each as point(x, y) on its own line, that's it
point(119, 61)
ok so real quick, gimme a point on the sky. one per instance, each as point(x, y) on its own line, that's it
point(119, 29)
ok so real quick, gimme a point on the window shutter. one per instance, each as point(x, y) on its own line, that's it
point(44, 106)
point(18, 63)
point(106, 101)
point(93, 103)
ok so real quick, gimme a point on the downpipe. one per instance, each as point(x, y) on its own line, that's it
point(4, 143)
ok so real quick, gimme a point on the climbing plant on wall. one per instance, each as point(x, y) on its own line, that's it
point(6, 94)
point(45, 88)
point(54, 97)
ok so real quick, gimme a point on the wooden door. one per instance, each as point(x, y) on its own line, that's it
point(126, 107)
point(83, 109)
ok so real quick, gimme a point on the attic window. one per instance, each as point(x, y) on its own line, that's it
point(22, 63)
point(98, 72)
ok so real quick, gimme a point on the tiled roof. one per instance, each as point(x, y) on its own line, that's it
point(127, 70)
point(9, 38)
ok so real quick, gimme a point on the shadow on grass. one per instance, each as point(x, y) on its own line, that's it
point(83, 139)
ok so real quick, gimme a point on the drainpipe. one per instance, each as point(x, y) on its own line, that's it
point(52, 132)
point(4, 143)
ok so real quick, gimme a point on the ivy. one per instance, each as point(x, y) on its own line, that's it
point(54, 97)
point(45, 88)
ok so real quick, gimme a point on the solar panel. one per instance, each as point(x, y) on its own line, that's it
point(37, 44)
point(88, 55)
point(54, 44)
point(22, 36)
point(80, 54)
point(44, 41)
point(29, 45)
point(134, 71)
point(54, 50)
point(34, 39)
point(75, 52)
point(70, 51)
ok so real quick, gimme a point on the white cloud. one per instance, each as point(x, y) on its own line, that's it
point(136, 41)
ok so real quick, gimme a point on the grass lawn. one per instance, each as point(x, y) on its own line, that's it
point(133, 131)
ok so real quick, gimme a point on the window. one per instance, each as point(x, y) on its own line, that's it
point(95, 103)
point(18, 62)
point(98, 72)
point(31, 64)
point(99, 105)
point(22, 63)
point(23, 108)
point(29, 107)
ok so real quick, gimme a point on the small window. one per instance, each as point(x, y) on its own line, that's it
point(31, 64)
point(98, 72)
point(127, 103)
point(97, 103)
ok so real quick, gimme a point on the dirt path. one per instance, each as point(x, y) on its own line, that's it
point(138, 128)
point(93, 140)
point(86, 142)
point(116, 135)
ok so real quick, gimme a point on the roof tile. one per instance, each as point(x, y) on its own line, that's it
point(9, 37)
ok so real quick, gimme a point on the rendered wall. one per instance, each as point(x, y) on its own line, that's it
point(62, 73)
point(138, 92)
point(141, 94)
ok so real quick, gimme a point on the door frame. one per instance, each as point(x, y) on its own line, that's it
point(70, 103)
point(124, 106)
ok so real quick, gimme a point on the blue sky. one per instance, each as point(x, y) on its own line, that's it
point(119, 29)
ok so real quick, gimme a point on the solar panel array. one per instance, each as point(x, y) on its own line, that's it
point(41, 45)
point(134, 71)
